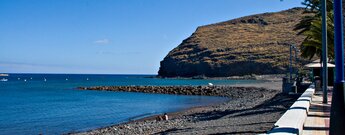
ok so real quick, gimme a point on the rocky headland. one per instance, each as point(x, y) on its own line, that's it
point(256, 44)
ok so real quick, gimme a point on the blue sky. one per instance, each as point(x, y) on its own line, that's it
point(108, 36)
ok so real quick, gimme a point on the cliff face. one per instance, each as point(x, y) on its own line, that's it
point(257, 44)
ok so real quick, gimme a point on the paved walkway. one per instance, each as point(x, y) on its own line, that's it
point(317, 122)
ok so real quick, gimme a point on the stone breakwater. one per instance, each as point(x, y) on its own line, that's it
point(250, 111)
point(224, 91)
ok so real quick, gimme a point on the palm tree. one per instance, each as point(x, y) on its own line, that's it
point(310, 26)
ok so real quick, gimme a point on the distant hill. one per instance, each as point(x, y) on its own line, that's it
point(257, 44)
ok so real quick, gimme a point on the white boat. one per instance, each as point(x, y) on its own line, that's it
point(4, 74)
point(210, 84)
point(3, 80)
point(45, 79)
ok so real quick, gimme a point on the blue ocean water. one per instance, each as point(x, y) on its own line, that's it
point(50, 104)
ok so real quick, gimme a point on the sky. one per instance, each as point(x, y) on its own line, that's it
point(108, 36)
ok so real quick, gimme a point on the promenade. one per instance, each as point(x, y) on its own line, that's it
point(317, 122)
point(307, 116)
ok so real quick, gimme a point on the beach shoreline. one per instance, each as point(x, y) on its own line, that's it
point(243, 77)
point(252, 109)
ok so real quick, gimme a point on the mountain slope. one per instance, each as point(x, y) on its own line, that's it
point(257, 44)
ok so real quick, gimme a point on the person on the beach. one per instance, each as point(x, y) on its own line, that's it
point(162, 117)
point(166, 116)
point(159, 118)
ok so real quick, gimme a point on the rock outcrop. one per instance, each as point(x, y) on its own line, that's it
point(223, 91)
point(257, 44)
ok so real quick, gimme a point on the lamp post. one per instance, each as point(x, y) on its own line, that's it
point(290, 65)
point(337, 121)
point(296, 60)
point(324, 52)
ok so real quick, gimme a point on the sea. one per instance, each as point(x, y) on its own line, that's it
point(51, 104)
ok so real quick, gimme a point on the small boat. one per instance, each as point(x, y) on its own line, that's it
point(210, 84)
point(87, 79)
point(66, 79)
point(4, 74)
point(24, 80)
point(45, 79)
point(3, 80)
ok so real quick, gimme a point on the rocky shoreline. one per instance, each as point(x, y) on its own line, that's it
point(177, 90)
point(251, 110)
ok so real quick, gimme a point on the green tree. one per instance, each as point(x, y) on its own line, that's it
point(310, 26)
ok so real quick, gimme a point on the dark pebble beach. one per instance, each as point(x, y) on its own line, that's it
point(251, 110)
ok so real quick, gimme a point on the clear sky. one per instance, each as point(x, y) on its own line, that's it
point(108, 36)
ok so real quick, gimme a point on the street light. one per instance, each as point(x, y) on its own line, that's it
point(337, 121)
point(296, 60)
point(324, 52)
point(290, 65)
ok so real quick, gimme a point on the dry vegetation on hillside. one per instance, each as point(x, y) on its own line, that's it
point(257, 44)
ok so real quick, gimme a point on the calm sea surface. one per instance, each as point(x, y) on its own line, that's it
point(50, 104)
